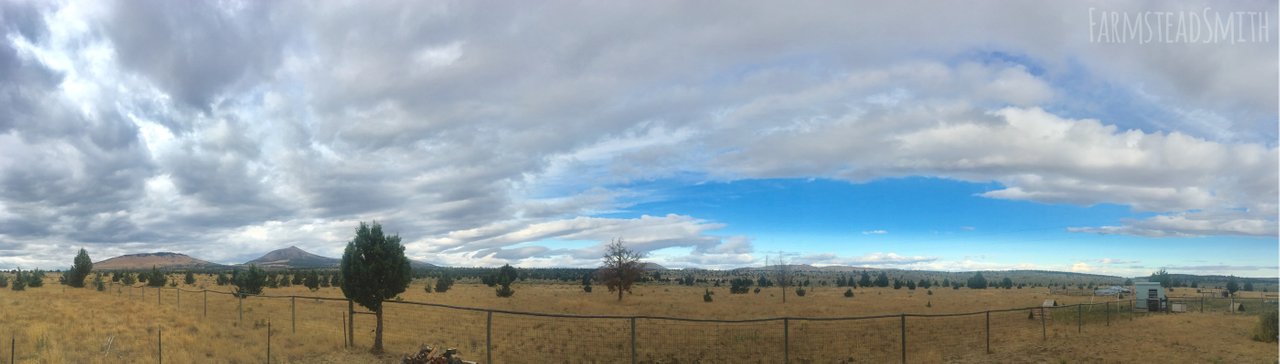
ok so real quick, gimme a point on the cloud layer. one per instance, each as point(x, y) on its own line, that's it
point(492, 135)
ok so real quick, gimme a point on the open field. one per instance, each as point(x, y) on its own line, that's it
point(57, 325)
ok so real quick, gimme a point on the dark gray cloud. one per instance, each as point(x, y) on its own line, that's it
point(197, 51)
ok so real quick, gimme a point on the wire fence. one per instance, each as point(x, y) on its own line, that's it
point(501, 336)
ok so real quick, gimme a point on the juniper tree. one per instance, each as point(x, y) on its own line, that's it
point(882, 280)
point(4, 281)
point(586, 282)
point(98, 283)
point(444, 283)
point(80, 268)
point(189, 279)
point(865, 281)
point(222, 279)
point(19, 281)
point(128, 279)
point(312, 281)
point(250, 282)
point(506, 275)
point(155, 278)
point(35, 279)
point(374, 269)
point(977, 281)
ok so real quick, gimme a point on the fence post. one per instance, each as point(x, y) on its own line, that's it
point(1044, 335)
point(268, 341)
point(293, 316)
point(13, 347)
point(206, 302)
point(240, 309)
point(988, 332)
point(351, 327)
point(344, 329)
point(1079, 317)
point(160, 345)
point(633, 340)
point(488, 337)
point(1108, 310)
point(786, 340)
point(179, 304)
point(902, 327)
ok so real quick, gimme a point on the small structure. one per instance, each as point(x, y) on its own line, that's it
point(1178, 307)
point(1149, 296)
point(1237, 307)
point(1049, 303)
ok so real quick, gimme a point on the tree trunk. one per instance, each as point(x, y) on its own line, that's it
point(619, 294)
point(377, 336)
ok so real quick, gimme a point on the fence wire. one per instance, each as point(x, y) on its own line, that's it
point(522, 337)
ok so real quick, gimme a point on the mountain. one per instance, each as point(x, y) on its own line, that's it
point(653, 266)
point(415, 264)
point(162, 260)
point(293, 257)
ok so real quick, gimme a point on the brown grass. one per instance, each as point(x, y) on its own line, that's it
point(57, 325)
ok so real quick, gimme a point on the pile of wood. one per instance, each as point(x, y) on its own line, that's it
point(428, 355)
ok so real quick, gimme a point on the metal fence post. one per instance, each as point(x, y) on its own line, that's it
point(633, 340)
point(160, 345)
point(344, 329)
point(988, 332)
point(268, 341)
point(206, 302)
point(1044, 335)
point(902, 327)
point(1079, 317)
point(293, 316)
point(488, 337)
point(1108, 310)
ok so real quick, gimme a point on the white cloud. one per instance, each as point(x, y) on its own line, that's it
point(874, 232)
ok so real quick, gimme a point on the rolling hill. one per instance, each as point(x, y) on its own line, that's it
point(162, 260)
point(296, 258)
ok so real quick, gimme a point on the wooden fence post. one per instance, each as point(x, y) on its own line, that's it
point(160, 345)
point(786, 340)
point(633, 340)
point(488, 337)
point(1079, 317)
point(268, 341)
point(351, 326)
point(988, 332)
point(293, 316)
point(902, 326)
point(1044, 335)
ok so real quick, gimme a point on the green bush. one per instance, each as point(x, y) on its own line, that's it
point(4, 281)
point(19, 282)
point(1268, 330)
point(800, 291)
point(706, 297)
point(848, 293)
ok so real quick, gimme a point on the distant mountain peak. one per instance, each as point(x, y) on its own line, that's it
point(293, 257)
point(162, 260)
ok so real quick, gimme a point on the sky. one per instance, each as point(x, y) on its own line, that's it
point(948, 136)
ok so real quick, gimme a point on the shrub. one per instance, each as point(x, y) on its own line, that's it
point(35, 279)
point(4, 281)
point(740, 285)
point(128, 279)
point(929, 304)
point(249, 283)
point(1267, 330)
point(929, 292)
point(222, 279)
point(800, 291)
point(189, 279)
point(505, 291)
point(505, 276)
point(156, 279)
point(19, 282)
point(444, 283)
point(586, 289)
point(99, 284)
point(706, 296)
point(757, 290)
point(312, 281)
point(848, 293)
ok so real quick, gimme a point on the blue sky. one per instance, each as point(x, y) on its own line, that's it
point(944, 136)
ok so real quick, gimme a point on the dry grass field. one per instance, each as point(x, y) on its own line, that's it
point(54, 324)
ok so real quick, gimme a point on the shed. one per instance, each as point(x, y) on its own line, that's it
point(1149, 296)
point(1049, 303)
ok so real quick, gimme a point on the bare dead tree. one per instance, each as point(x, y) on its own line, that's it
point(622, 267)
point(782, 275)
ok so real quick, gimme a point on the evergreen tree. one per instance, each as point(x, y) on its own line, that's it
point(897, 284)
point(586, 282)
point(128, 279)
point(506, 275)
point(189, 279)
point(1006, 283)
point(374, 269)
point(911, 285)
point(80, 268)
point(250, 282)
point(222, 279)
point(1232, 285)
point(1248, 287)
point(19, 281)
point(155, 278)
point(4, 281)
point(312, 281)
point(298, 279)
point(35, 279)
point(865, 281)
point(882, 280)
point(946, 282)
point(445, 283)
point(848, 293)
point(98, 283)
point(977, 281)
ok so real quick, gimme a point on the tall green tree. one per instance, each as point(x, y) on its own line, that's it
point(622, 267)
point(189, 279)
point(506, 275)
point(19, 281)
point(312, 281)
point(374, 269)
point(865, 281)
point(882, 280)
point(80, 268)
point(1162, 276)
point(1232, 285)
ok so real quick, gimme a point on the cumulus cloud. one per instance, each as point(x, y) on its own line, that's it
point(483, 135)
